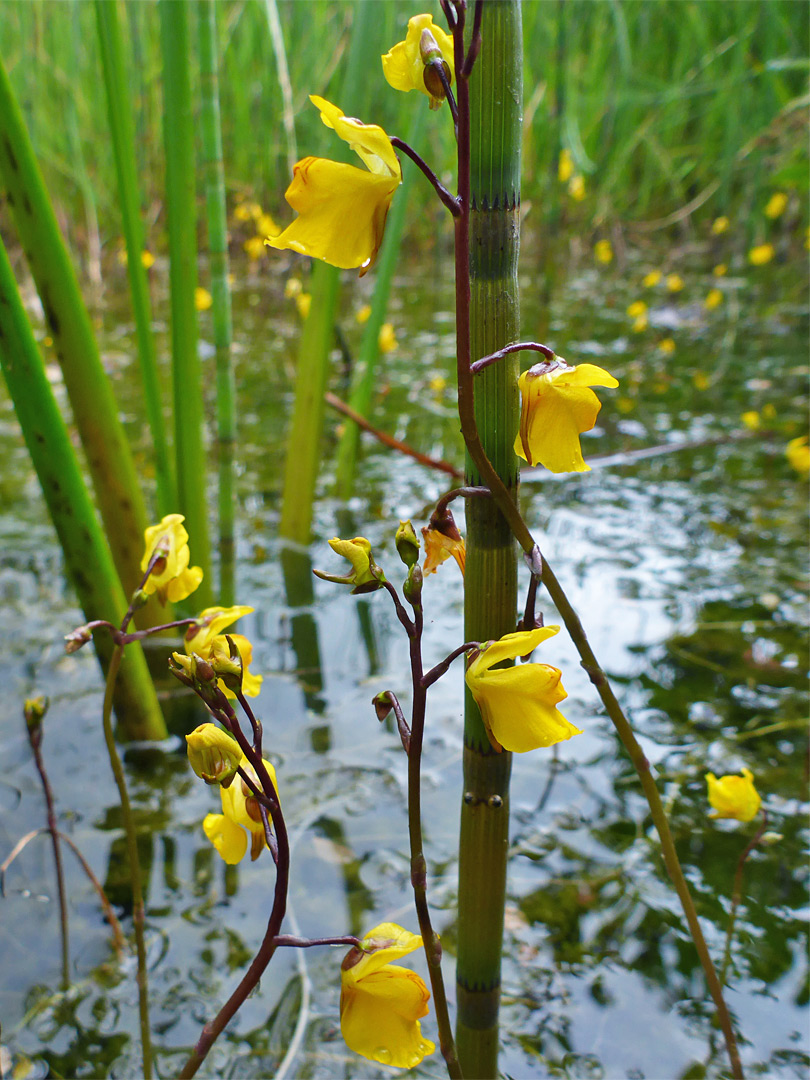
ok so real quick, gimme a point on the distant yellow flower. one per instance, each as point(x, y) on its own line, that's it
point(701, 381)
point(303, 303)
point(714, 298)
point(387, 339)
point(265, 226)
point(720, 270)
point(769, 411)
point(342, 209)
point(247, 211)
point(404, 65)
point(798, 454)
point(651, 279)
point(733, 796)
point(557, 406)
point(254, 246)
point(719, 226)
point(292, 288)
point(751, 419)
point(438, 384)
point(147, 259)
point(202, 299)
point(640, 324)
point(518, 705)
point(565, 167)
point(381, 1004)
point(603, 251)
point(761, 254)
point(171, 578)
point(240, 818)
point(776, 205)
point(625, 405)
point(638, 307)
point(363, 314)
point(666, 346)
point(576, 187)
point(366, 576)
point(674, 282)
point(213, 754)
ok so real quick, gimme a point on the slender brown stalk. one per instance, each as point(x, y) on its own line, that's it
point(736, 896)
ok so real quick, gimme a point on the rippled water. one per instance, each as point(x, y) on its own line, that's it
point(688, 568)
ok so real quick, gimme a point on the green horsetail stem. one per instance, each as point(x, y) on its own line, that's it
point(214, 173)
point(496, 94)
point(178, 143)
point(122, 132)
point(95, 412)
point(87, 555)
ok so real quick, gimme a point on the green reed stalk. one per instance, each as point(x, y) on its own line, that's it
point(366, 372)
point(214, 173)
point(495, 109)
point(178, 142)
point(87, 556)
point(122, 131)
point(91, 397)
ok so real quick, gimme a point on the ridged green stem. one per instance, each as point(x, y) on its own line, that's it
point(87, 556)
point(178, 140)
point(490, 207)
point(122, 133)
point(220, 294)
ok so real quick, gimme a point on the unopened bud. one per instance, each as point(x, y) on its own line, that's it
point(77, 638)
point(382, 705)
point(139, 599)
point(213, 755)
point(227, 666)
point(34, 710)
point(407, 543)
point(434, 62)
point(412, 589)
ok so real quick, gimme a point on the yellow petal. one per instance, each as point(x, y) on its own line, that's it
point(209, 624)
point(403, 66)
point(184, 584)
point(379, 1017)
point(229, 840)
point(368, 141)
point(734, 796)
point(511, 646)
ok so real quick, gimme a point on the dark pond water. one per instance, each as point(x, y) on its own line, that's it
point(688, 567)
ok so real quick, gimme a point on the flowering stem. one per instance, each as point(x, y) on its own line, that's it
point(440, 189)
point(736, 896)
point(430, 677)
point(461, 492)
point(288, 941)
point(132, 854)
point(508, 350)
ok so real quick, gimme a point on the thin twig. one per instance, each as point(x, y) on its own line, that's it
point(447, 199)
point(520, 346)
point(736, 896)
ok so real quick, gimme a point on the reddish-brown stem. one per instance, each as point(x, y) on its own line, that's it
point(439, 188)
point(522, 346)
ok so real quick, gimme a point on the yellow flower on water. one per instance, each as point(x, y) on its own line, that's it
point(381, 1004)
point(650, 280)
point(518, 705)
point(171, 578)
point(303, 303)
point(776, 205)
point(720, 270)
point(674, 282)
point(640, 324)
point(247, 211)
point(147, 259)
point(701, 381)
point(714, 298)
point(576, 187)
point(265, 226)
point(603, 251)
point(557, 406)
point(387, 339)
point(254, 246)
point(752, 420)
point(733, 796)
point(342, 209)
point(638, 307)
point(761, 254)
point(404, 65)
point(213, 754)
point(565, 166)
point(719, 226)
point(366, 576)
point(240, 818)
point(363, 314)
point(798, 454)
point(438, 384)
point(202, 299)
point(666, 346)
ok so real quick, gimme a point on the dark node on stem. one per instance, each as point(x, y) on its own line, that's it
point(470, 799)
point(595, 674)
point(495, 802)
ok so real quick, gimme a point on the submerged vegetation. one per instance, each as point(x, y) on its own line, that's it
point(630, 797)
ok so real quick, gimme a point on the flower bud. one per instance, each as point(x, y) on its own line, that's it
point(34, 710)
point(433, 60)
point(213, 755)
point(227, 666)
point(366, 576)
point(382, 705)
point(77, 638)
point(412, 589)
point(407, 543)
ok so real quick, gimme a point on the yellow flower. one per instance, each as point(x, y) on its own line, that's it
point(776, 205)
point(205, 638)
point(733, 796)
point(363, 314)
point(719, 226)
point(247, 211)
point(202, 299)
point(303, 303)
point(254, 247)
point(666, 346)
point(404, 65)
point(700, 380)
point(674, 282)
point(366, 576)
point(171, 578)
point(219, 657)
point(387, 340)
point(147, 259)
point(557, 406)
point(603, 251)
point(576, 187)
point(714, 298)
point(720, 270)
point(438, 384)
point(761, 254)
point(265, 226)
point(798, 454)
point(518, 705)
point(640, 324)
point(565, 167)
point(213, 754)
point(380, 1003)
point(638, 307)
point(650, 280)
point(769, 411)
point(292, 288)
point(751, 420)
point(240, 818)
point(442, 539)
point(342, 209)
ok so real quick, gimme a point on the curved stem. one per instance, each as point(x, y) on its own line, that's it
point(134, 862)
point(508, 350)
point(430, 677)
point(440, 189)
point(736, 896)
